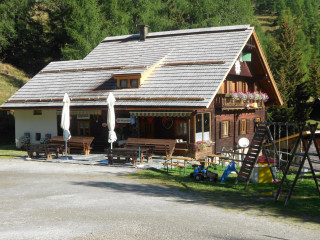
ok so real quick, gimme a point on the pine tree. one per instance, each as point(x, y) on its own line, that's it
point(24, 37)
point(314, 79)
point(286, 62)
point(289, 73)
point(76, 26)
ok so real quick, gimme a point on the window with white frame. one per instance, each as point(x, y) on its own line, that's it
point(203, 127)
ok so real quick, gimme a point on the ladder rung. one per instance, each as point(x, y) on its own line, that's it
point(240, 178)
point(251, 154)
point(245, 170)
point(246, 165)
point(243, 175)
point(250, 158)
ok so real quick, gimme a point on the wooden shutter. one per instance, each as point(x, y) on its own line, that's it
point(240, 127)
point(220, 129)
point(231, 129)
point(248, 126)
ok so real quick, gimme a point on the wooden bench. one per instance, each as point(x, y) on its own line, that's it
point(181, 149)
point(185, 160)
point(75, 143)
point(157, 146)
point(166, 165)
point(117, 153)
point(47, 149)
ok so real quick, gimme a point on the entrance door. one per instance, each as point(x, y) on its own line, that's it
point(83, 127)
point(147, 128)
point(181, 129)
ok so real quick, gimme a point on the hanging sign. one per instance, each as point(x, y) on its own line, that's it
point(83, 116)
point(132, 120)
point(123, 120)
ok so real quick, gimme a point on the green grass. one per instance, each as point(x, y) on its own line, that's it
point(11, 79)
point(313, 122)
point(303, 206)
point(267, 22)
point(10, 151)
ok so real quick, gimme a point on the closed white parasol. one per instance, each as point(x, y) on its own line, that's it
point(65, 120)
point(111, 119)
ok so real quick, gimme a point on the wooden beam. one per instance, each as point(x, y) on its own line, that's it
point(93, 69)
point(265, 64)
point(194, 63)
point(105, 98)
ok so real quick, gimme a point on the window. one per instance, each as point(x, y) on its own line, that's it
point(234, 86)
point(133, 83)
point(206, 126)
point(244, 86)
point(256, 120)
point(123, 83)
point(84, 128)
point(203, 127)
point(243, 126)
point(225, 128)
point(37, 112)
point(128, 80)
point(181, 129)
point(38, 136)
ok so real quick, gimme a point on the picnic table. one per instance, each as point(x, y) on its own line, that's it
point(75, 143)
point(47, 149)
point(212, 158)
point(130, 154)
point(178, 164)
point(157, 146)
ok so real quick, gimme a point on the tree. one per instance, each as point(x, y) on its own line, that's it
point(7, 24)
point(25, 43)
point(289, 74)
point(314, 79)
point(76, 27)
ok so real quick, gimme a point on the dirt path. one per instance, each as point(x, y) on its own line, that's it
point(66, 201)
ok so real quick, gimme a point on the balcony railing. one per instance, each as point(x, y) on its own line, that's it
point(226, 102)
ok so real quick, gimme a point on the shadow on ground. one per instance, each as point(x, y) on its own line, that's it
point(227, 196)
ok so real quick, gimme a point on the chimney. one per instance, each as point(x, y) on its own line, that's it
point(143, 32)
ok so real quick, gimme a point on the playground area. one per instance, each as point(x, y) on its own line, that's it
point(281, 163)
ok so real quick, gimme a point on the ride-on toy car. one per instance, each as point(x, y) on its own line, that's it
point(201, 174)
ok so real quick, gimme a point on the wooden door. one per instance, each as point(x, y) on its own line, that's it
point(147, 128)
point(83, 127)
point(181, 129)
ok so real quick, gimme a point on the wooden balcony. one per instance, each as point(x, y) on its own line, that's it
point(226, 102)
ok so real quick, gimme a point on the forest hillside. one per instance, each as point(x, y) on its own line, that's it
point(36, 32)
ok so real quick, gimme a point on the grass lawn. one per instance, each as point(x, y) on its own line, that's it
point(314, 122)
point(303, 206)
point(10, 151)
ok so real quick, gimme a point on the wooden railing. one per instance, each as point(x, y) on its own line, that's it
point(226, 102)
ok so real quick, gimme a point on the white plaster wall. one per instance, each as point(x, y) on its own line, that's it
point(25, 121)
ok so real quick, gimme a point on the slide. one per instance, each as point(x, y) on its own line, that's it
point(231, 167)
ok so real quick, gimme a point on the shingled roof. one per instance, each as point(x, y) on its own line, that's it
point(190, 67)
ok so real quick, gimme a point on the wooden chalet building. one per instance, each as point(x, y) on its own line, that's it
point(193, 85)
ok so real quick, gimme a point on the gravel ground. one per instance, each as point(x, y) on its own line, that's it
point(42, 200)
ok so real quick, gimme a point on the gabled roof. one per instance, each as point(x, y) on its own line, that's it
point(188, 67)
